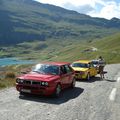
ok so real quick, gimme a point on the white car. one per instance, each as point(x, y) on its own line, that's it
point(97, 63)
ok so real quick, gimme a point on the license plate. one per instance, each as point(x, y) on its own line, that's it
point(25, 90)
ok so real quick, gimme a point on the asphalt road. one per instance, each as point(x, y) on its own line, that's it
point(93, 100)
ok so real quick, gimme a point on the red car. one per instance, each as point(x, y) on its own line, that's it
point(46, 79)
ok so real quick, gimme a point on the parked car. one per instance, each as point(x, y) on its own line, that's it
point(97, 63)
point(46, 79)
point(84, 69)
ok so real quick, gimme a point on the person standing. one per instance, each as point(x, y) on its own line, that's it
point(101, 67)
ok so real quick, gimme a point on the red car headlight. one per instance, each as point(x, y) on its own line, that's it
point(44, 83)
point(19, 80)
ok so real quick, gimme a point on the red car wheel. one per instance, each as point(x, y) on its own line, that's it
point(73, 83)
point(57, 90)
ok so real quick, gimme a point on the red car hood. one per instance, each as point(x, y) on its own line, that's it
point(39, 77)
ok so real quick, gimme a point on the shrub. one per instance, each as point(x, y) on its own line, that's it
point(10, 75)
point(2, 85)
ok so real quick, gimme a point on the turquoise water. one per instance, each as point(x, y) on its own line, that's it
point(14, 61)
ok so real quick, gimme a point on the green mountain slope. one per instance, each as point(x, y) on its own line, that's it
point(67, 50)
point(27, 20)
point(109, 47)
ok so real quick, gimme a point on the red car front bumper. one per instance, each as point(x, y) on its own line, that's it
point(40, 90)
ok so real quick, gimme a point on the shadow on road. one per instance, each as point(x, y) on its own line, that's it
point(110, 80)
point(65, 96)
point(92, 79)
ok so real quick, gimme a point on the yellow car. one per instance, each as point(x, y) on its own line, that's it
point(84, 69)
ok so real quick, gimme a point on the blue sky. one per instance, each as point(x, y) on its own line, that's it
point(95, 8)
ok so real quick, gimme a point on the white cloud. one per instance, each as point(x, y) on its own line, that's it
point(81, 9)
point(73, 2)
point(109, 10)
point(96, 8)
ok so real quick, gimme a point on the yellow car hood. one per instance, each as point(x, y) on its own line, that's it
point(80, 69)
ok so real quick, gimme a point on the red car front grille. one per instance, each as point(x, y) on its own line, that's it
point(30, 82)
point(29, 87)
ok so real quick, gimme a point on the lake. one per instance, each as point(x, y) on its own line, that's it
point(14, 61)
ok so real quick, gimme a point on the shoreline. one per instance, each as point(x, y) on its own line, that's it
point(14, 61)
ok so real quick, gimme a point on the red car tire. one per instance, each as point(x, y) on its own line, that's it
point(57, 90)
point(73, 83)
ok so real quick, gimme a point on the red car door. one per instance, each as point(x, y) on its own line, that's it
point(70, 74)
point(64, 76)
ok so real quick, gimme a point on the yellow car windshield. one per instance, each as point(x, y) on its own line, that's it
point(82, 65)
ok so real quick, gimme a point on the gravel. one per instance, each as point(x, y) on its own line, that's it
point(89, 100)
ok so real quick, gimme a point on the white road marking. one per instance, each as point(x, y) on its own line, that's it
point(114, 90)
point(27, 104)
point(113, 94)
point(118, 80)
point(4, 110)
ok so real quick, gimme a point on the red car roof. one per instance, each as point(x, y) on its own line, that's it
point(56, 63)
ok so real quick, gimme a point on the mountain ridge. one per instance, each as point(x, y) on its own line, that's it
point(28, 20)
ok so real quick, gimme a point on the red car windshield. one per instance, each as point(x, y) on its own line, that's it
point(46, 69)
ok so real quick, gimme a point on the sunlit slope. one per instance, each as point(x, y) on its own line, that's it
point(109, 48)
